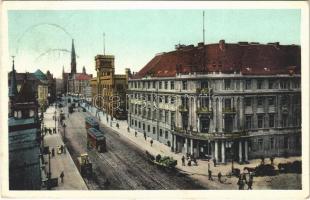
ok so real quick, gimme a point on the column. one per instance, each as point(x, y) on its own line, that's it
point(174, 143)
point(198, 150)
point(220, 115)
point(186, 151)
point(223, 151)
point(246, 150)
point(215, 151)
point(192, 147)
point(240, 151)
point(198, 123)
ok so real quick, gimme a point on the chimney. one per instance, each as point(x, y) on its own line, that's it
point(222, 45)
point(128, 73)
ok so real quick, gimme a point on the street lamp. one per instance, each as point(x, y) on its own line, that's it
point(49, 171)
point(55, 120)
point(64, 128)
point(42, 135)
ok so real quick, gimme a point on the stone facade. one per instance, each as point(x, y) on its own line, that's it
point(240, 115)
point(109, 89)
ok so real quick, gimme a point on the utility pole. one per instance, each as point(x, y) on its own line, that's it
point(103, 43)
point(203, 26)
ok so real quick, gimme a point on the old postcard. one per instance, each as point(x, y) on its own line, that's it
point(159, 99)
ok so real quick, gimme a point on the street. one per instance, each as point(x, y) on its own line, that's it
point(124, 165)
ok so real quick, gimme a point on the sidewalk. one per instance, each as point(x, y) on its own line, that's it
point(61, 162)
point(200, 172)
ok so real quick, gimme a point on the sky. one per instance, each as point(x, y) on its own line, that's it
point(42, 39)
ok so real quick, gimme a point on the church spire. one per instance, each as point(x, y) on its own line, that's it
point(73, 59)
point(84, 70)
point(13, 88)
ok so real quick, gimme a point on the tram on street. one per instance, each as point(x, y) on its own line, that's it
point(90, 122)
point(96, 140)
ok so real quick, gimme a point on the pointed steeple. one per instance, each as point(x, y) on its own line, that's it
point(73, 59)
point(84, 70)
point(13, 88)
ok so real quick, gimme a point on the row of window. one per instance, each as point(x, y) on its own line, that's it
point(229, 84)
point(262, 119)
point(263, 84)
point(160, 115)
point(137, 124)
point(261, 144)
point(284, 101)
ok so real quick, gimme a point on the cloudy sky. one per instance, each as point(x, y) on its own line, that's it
point(42, 39)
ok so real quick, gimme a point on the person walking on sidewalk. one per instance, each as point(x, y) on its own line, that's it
point(128, 129)
point(210, 175)
point(53, 152)
point(240, 183)
point(183, 160)
point(214, 161)
point(135, 133)
point(219, 175)
point(144, 134)
point(62, 175)
point(151, 142)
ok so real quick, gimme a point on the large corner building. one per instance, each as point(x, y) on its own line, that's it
point(227, 101)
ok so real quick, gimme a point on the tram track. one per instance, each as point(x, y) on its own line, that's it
point(124, 165)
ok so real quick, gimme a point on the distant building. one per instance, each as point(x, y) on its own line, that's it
point(51, 87)
point(39, 83)
point(74, 83)
point(228, 101)
point(59, 87)
point(110, 87)
point(24, 136)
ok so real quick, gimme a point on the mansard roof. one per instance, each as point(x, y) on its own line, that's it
point(242, 57)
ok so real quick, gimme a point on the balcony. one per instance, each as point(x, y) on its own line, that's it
point(204, 110)
point(229, 110)
point(183, 108)
point(202, 90)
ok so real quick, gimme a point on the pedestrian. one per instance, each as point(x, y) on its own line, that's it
point(144, 134)
point(214, 161)
point(262, 160)
point(62, 175)
point(61, 148)
point(189, 162)
point(151, 142)
point(128, 129)
point(210, 175)
point(244, 178)
point(135, 133)
point(183, 160)
point(250, 182)
point(53, 152)
point(117, 125)
point(271, 160)
point(219, 175)
point(240, 183)
point(195, 161)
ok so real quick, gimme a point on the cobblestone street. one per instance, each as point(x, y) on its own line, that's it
point(124, 165)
